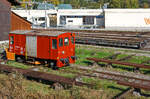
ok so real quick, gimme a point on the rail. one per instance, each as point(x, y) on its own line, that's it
point(42, 76)
point(120, 63)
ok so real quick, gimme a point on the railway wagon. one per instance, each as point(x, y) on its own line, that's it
point(55, 48)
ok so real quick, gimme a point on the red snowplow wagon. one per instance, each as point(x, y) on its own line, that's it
point(55, 48)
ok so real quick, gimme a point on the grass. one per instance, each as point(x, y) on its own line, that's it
point(121, 56)
point(83, 52)
point(102, 88)
point(111, 88)
point(18, 65)
point(41, 69)
point(17, 87)
point(68, 75)
point(113, 49)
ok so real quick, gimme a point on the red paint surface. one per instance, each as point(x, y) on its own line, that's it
point(44, 47)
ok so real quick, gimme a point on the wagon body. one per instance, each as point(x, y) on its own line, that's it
point(55, 48)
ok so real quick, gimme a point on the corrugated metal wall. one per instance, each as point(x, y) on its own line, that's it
point(31, 46)
point(18, 23)
point(10, 21)
point(4, 20)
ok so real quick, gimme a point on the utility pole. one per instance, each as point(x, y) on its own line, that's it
point(45, 17)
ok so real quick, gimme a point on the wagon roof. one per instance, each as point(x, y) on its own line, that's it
point(33, 32)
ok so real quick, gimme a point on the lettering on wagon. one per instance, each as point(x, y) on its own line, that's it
point(147, 21)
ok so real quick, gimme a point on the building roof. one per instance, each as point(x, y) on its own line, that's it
point(45, 6)
point(14, 2)
point(42, 33)
point(21, 17)
point(64, 6)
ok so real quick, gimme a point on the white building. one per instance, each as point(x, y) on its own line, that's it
point(64, 18)
point(127, 18)
point(80, 18)
point(72, 18)
point(37, 17)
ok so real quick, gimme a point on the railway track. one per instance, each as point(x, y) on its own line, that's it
point(42, 76)
point(127, 39)
point(136, 81)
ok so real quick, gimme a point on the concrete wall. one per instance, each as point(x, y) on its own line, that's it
point(127, 18)
point(75, 21)
point(78, 12)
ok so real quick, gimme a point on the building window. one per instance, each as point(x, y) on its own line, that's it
point(66, 41)
point(61, 42)
point(70, 20)
point(42, 19)
point(36, 19)
point(88, 20)
point(54, 44)
point(62, 20)
point(25, 18)
point(74, 16)
point(72, 40)
point(11, 40)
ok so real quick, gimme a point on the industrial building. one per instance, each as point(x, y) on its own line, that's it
point(127, 18)
point(64, 17)
point(88, 18)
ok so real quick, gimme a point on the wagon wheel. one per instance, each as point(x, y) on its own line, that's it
point(53, 65)
point(20, 60)
point(3, 55)
point(57, 86)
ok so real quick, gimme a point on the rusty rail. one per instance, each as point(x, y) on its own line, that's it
point(140, 86)
point(120, 63)
point(125, 58)
point(124, 93)
point(139, 82)
point(42, 76)
point(112, 56)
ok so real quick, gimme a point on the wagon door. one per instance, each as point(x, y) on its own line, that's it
point(66, 46)
point(43, 47)
point(11, 43)
point(31, 46)
point(19, 44)
point(54, 48)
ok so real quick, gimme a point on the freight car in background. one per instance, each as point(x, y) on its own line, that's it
point(57, 49)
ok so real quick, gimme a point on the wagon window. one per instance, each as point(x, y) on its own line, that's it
point(66, 41)
point(54, 44)
point(11, 40)
point(61, 42)
point(72, 40)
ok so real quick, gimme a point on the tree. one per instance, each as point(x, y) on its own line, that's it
point(55, 2)
point(134, 3)
point(116, 4)
point(145, 3)
point(75, 3)
point(124, 4)
point(127, 4)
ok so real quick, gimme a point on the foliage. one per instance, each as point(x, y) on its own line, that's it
point(18, 65)
point(124, 4)
point(95, 4)
point(14, 86)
